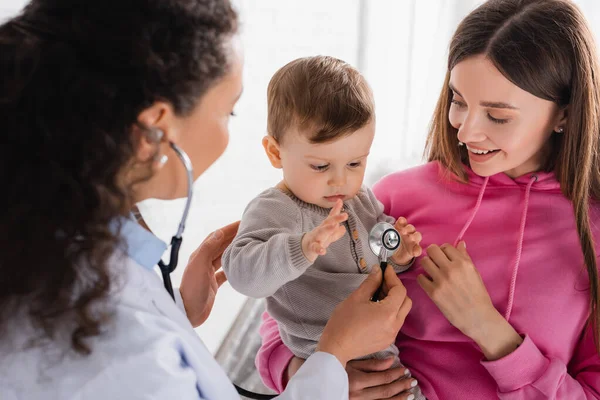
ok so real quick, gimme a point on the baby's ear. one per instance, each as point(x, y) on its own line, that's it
point(273, 151)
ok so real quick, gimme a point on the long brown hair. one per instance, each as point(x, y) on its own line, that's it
point(75, 76)
point(546, 48)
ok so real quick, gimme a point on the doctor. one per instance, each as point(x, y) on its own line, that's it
point(94, 94)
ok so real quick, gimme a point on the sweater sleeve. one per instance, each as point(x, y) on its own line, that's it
point(527, 373)
point(267, 251)
point(273, 357)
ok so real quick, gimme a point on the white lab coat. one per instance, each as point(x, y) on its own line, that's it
point(148, 351)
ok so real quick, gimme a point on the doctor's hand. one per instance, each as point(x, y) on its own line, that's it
point(359, 326)
point(202, 278)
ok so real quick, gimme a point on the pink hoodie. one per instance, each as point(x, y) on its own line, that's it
point(522, 237)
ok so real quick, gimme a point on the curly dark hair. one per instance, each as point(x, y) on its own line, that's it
point(75, 76)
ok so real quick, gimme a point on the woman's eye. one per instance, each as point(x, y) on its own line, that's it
point(458, 104)
point(497, 120)
point(320, 168)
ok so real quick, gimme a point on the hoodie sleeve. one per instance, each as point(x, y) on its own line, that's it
point(528, 374)
point(273, 356)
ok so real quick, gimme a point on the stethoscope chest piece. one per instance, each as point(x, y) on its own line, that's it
point(384, 240)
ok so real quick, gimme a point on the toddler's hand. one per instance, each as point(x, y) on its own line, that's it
point(410, 242)
point(316, 242)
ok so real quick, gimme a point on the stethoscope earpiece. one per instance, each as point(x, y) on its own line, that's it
point(155, 135)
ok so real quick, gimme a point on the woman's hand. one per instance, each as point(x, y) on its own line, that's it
point(202, 278)
point(456, 287)
point(371, 379)
point(358, 326)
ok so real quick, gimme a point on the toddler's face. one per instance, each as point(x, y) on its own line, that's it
point(322, 173)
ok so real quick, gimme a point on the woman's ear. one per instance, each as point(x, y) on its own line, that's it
point(273, 151)
point(154, 130)
point(561, 120)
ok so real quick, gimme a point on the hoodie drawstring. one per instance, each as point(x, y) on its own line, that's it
point(468, 223)
point(513, 281)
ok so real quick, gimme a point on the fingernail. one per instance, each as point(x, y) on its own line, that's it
point(217, 235)
point(414, 383)
point(406, 372)
point(411, 397)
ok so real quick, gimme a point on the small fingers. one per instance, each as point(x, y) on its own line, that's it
point(412, 244)
point(407, 230)
point(337, 219)
point(318, 248)
point(338, 234)
point(400, 223)
point(337, 208)
point(417, 250)
point(416, 237)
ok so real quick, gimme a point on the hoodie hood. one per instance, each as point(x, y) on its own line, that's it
point(545, 180)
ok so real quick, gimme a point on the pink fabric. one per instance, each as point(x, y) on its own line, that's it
point(273, 357)
point(550, 302)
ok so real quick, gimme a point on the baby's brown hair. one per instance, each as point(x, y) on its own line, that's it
point(323, 96)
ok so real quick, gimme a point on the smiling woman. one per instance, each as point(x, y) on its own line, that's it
point(521, 94)
point(505, 128)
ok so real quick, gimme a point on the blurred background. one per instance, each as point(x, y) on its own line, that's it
point(401, 48)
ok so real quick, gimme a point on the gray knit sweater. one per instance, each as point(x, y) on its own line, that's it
point(266, 260)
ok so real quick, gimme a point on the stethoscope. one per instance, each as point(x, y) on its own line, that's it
point(176, 240)
point(384, 241)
